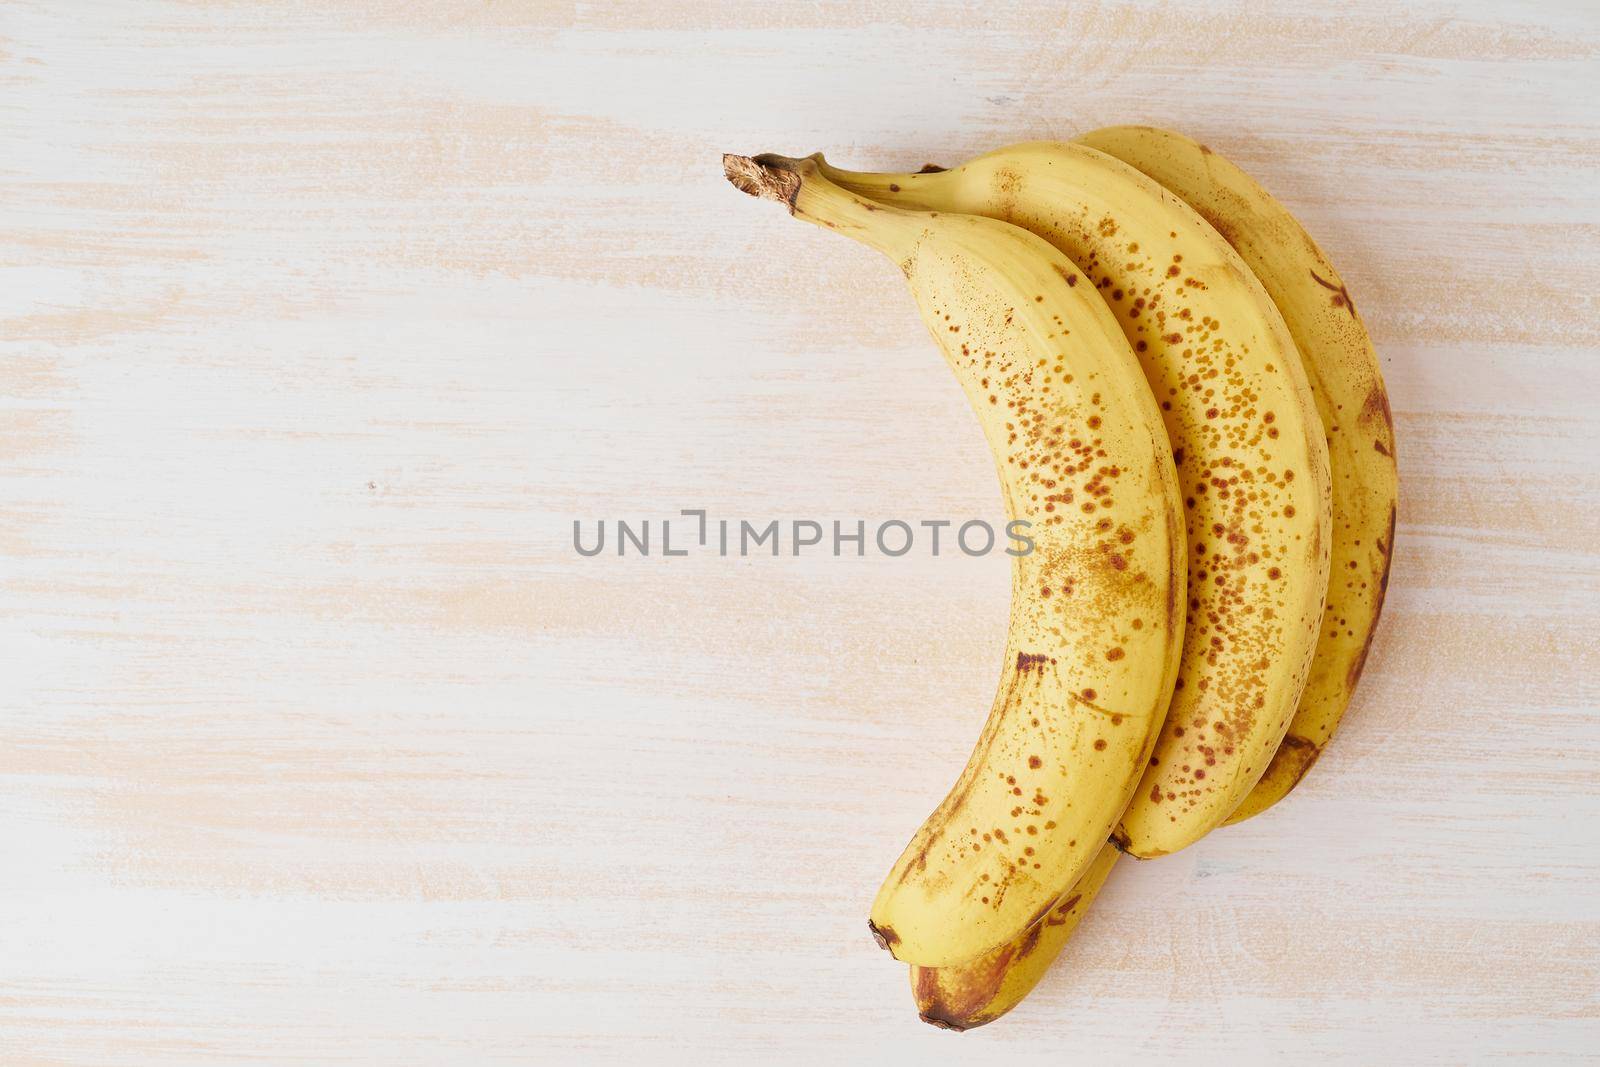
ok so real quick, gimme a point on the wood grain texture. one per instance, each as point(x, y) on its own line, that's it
point(321, 322)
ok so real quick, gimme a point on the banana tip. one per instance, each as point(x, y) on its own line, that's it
point(885, 936)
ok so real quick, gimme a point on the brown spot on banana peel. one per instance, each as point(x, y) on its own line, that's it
point(1030, 940)
point(1175, 610)
point(1376, 405)
point(884, 936)
point(959, 998)
point(1119, 838)
point(1302, 752)
point(954, 998)
point(1177, 535)
point(932, 168)
point(1079, 699)
point(1341, 295)
point(1222, 226)
point(1037, 918)
point(1058, 915)
point(1376, 414)
point(1027, 661)
point(1006, 183)
point(1386, 547)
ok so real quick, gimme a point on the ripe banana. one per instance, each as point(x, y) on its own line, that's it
point(1096, 609)
point(1344, 375)
point(971, 994)
point(1348, 386)
point(1244, 431)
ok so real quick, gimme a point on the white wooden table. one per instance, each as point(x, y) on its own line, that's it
point(320, 323)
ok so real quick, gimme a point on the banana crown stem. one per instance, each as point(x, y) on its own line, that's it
point(766, 177)
point(805, 188)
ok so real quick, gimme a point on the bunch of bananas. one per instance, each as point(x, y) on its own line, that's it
point(1184, 406)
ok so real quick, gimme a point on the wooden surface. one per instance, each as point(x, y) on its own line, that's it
point(323, 321)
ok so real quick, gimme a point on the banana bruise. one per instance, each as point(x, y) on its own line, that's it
point(1244, 430)
point(1096, 608)
point(1346, 381)
point(970, 994)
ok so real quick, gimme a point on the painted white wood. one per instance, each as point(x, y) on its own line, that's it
point(319, 323)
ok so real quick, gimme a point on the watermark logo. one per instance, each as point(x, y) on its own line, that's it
point(794, 537)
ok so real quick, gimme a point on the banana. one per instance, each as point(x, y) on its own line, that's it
point(1096, 608)
point(1348, 387)
point(971, 994)
point(1244, 431)
point(1344, 375)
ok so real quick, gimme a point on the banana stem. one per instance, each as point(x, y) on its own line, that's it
point(805, 189)
point(767, 177)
